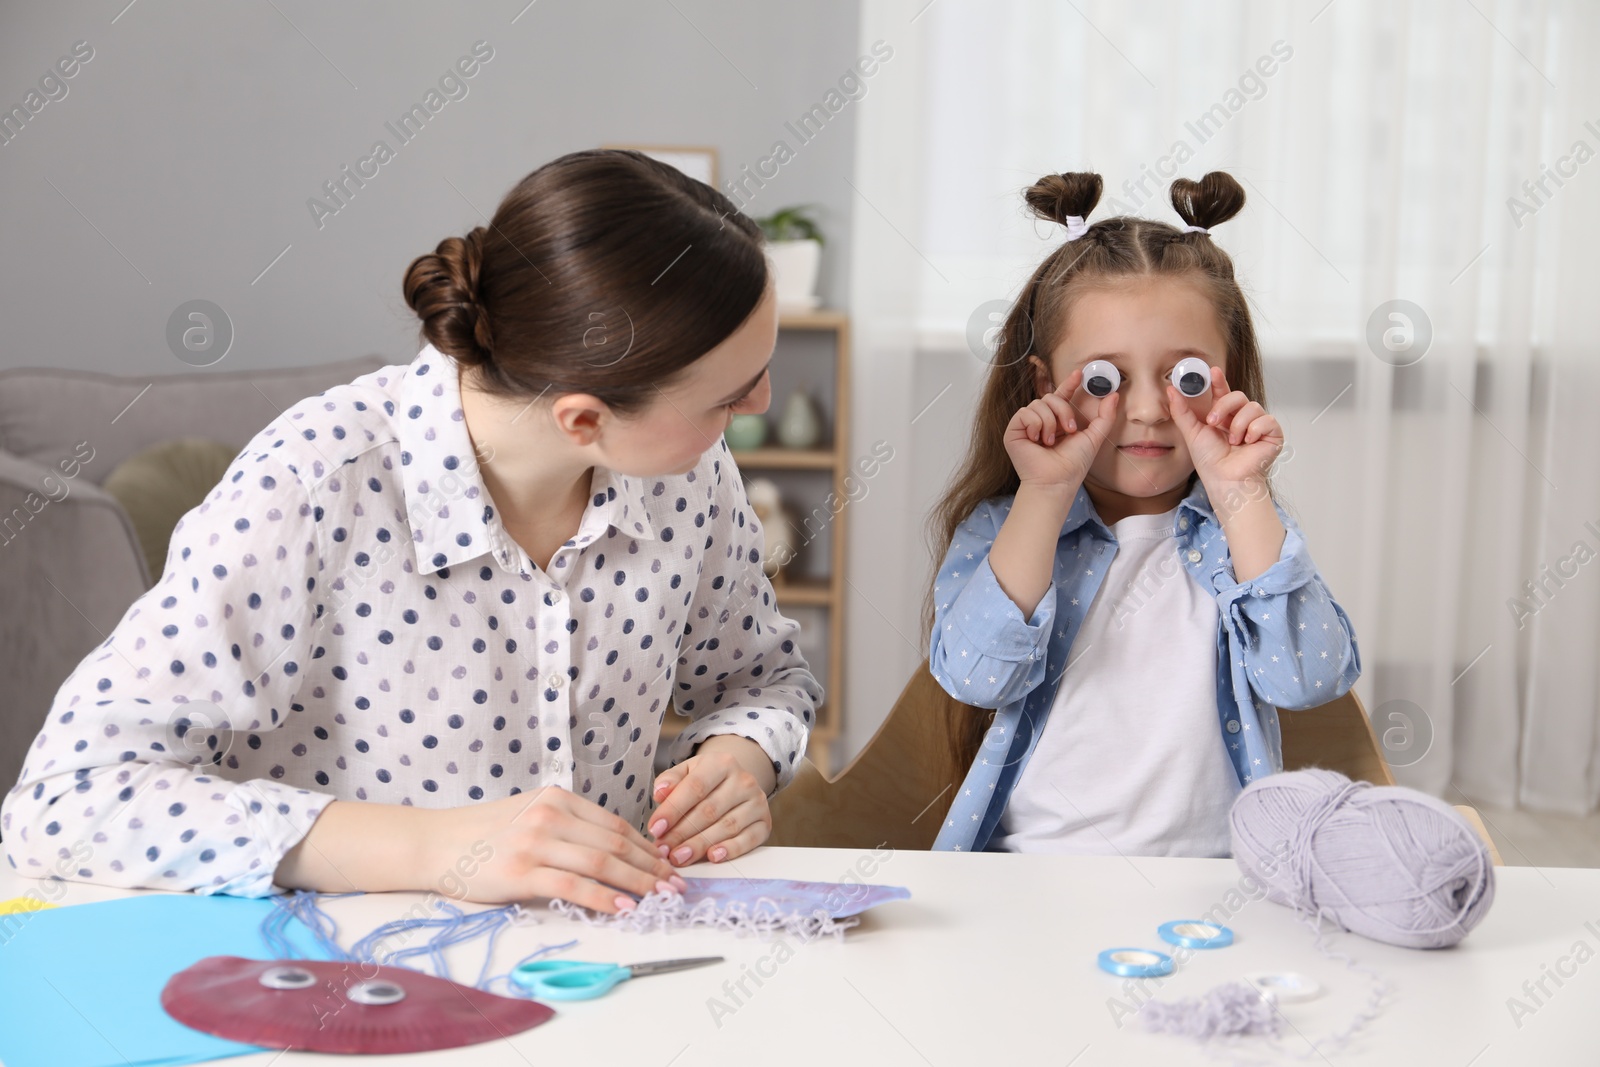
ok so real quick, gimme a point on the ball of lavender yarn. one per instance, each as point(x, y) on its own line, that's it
point(1384, 862)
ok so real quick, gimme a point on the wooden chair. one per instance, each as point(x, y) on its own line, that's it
point(896, 790)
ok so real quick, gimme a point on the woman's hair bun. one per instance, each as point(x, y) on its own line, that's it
point(1055, 197)
point(443, 289)
point(1215, 198)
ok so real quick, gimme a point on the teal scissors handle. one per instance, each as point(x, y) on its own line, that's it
point(569, 979)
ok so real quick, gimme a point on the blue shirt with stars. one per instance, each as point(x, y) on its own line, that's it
point(1282, 642)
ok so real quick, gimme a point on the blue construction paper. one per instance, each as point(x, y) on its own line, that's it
point(80, 986)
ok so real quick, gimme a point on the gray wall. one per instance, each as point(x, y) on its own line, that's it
point(179, 163)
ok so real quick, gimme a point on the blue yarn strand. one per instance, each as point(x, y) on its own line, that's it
point(301, 905)
point(453, 927)
point(514, 989)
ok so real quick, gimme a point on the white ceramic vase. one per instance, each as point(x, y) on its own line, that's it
point(800, 425)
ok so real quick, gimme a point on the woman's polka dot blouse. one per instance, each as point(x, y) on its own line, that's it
point(345, 617)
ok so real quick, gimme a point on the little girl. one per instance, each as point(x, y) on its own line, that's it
point(429, 624)
point(1119, 583)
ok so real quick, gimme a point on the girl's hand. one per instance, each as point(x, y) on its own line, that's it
point(547, 843)
point(1052, 443)
point(713, 805)
point(1235, 445)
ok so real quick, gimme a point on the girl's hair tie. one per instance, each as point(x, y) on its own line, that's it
point(1187, 228)
point(1076, 226)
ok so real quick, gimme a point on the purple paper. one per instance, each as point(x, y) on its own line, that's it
point(782, 896)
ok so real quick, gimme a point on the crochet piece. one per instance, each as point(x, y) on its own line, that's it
point(747, 905)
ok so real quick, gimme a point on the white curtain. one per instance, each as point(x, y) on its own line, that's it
point(1444, 452)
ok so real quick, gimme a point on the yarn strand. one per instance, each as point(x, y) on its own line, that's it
point(452, 927)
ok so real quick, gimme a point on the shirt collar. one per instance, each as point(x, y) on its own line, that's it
point(1083, 512)
point(1198, 502)
point(452, 515)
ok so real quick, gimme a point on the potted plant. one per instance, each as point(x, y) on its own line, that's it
point(794, 244)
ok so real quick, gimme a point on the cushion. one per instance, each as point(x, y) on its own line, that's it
point(158, 486)
point(44, 412)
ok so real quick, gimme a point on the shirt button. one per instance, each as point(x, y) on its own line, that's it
point(556, 681)
point(1194, 555)
point(1183, 524)
point(1233, 726)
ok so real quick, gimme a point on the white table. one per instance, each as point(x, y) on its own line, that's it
point(993, 960)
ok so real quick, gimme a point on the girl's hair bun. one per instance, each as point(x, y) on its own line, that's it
point(1057, 196)
point(1215, 198)
point(443, 289)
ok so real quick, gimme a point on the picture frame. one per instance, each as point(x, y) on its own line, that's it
point(697, 161)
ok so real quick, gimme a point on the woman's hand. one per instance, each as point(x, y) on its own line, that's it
point(1235, 445)
point(1052, 443)
point(713, 805)
point(547, 843)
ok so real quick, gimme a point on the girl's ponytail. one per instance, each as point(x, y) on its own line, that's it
point(1056, 197)
point(1215, 198)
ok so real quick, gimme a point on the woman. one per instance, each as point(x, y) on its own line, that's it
point(432, 620)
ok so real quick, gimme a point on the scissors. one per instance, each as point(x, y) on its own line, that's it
point(577, 980)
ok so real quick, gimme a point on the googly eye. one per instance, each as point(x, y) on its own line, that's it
point(1192, 376)
point(1101, 378)
point(376, 993)
point(287, 978)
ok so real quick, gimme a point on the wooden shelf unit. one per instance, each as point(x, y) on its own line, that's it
point(827, 594)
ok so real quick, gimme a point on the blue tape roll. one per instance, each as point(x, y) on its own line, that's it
point(1135, 962)
point(1192, 933)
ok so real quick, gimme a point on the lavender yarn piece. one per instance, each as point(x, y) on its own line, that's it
point(1386, 862)
point(746, 906)
point(1233, 1008)
point(839, 899)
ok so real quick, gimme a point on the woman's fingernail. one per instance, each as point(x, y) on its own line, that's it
point(661, 850)
point(658, 828)
point(678, 881)
point(719, 854)
point(682, 854)
point(664, 886)
point(625, 903)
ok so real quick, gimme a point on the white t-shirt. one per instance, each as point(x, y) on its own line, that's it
point(1132, 759)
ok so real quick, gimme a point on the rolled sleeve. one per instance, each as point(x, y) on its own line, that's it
point(132, 759)
point(982, 650)
point(742, 671)
point(1296, 641)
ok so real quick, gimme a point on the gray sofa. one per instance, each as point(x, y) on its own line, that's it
point(70, 562)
